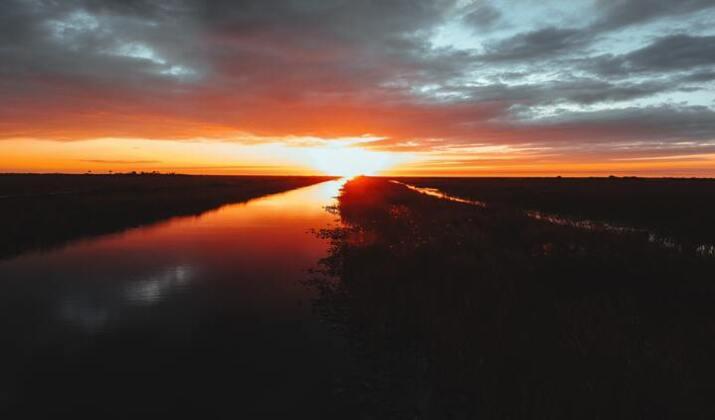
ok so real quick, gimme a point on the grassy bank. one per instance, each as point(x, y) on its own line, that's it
point(42, 211)
point(466, 312)
point(677, 208)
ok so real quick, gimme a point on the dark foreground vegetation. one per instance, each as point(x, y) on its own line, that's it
point(41, 211)
point(679, 208)
point(467, 312)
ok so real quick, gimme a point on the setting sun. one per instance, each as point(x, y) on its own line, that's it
point(350, 161)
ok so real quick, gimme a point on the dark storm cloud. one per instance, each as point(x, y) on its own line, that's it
point(674, 52)
point(621, 13)
point(539, 43)
point(339, 46)
point(701, 76)
point(679, 52)
point(573, 90)
point(482, 16)
point(566, 39)
point(255, 44)
point(190, 68)
point(656, 123)
point(345, 19)
point(88, 41)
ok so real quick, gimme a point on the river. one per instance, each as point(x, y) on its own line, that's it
point(205, 315)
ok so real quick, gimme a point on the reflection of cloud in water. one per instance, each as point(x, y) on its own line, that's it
point(92, 310)
point(155, 288)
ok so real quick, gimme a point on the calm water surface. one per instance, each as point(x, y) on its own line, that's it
point(201, 314)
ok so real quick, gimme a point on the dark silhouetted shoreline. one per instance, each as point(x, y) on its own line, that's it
point(43, 211)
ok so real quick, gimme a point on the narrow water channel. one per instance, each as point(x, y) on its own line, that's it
point(203, 315)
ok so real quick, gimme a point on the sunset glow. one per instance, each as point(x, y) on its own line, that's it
point(431, 87)
point(349, 162)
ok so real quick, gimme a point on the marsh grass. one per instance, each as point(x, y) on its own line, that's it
point(465, 312)
point(677, 208)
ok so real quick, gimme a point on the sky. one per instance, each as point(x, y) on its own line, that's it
point(400, 87)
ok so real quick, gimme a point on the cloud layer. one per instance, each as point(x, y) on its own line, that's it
point(580, 80)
